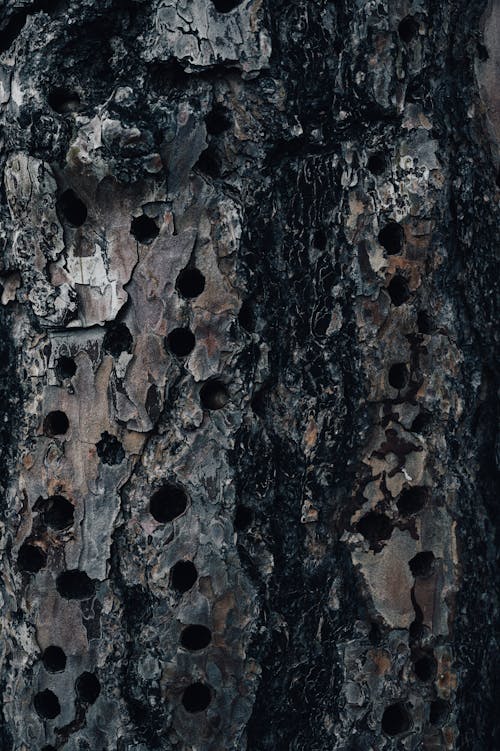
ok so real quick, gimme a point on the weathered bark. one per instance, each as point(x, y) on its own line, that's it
point(249, 385)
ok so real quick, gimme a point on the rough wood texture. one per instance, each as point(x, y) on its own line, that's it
point(249, 390)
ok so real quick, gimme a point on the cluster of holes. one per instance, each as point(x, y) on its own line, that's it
point(168, 502)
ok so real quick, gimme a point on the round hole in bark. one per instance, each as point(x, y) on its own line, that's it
point(144, 229)
point(31, 558)
point(421, 422)
point(196, 637)
point(242, 518)
point(398, 290)
point(375, 527)
point(109, 449)
point(190, 282)
point(181, 342)
point(59, 513)
point(183, 576)
point(377, 163)
point(167, 503)
point(55, 423)
point(63, 100)
point(208, 163)
point(87, 687)
point(408, 29)
point(196, 697)
point(398, 375)
point(226, 6)
point(391, 238)
point(425, 667)
point(66, 367)
point(424, 322)
point(72, 208)
point(117, 339)
point(75, 585)
point(412, 500)
point(395, 719)
point(214, 395)
point(217, 121)
point(438, 713)
point(422, 564)
point(54, 659)
point(47, 704)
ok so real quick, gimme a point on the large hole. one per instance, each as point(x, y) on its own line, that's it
point(438, 713)
point(196, 697)
point(214, 395)
point(208, 162)
point(190, 282)
point(425, 667)
point(109, 449)
point(75, 585)
point(55, 423)
point(422, 564)
point(225, 6)
point(54, 659)
point(183, 576)
point(72, 208)
point(181, 342)
point(377, 163)
point(47, 704)
point(144, 229)
point(242, 518)
point(31, 558)
point(395, 719)
point(66, 367)
point(217, 120)
point(398, 375)
point(375, 527)
point(398, 290)
point(167, 503)
point(412, 500)
point(59, 512)
point(63, 100)
point(408, 29)
point(87, 687)
point(391, 238)
point(196, 637)
point(117, 339)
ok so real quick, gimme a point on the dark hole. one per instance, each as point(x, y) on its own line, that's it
point(196, 697)
point(54, 659)
point(242, 518)
point(72, 208)
point(412, 500)
point(225, 6)
point(258, 402)
point(421, 422)
point(66, 367)
point(47, 704)
point(63, 100)
point(438, 712)
point(214, 395)
point(246, 317)
point(375, 634)
point(208, 163)
point(408, 28)
point(59, 512)
point(56, 423)
point(217, 120)
point(398, 375)
point(391, 238)
point(109, 449)
point(117, 339)
point(87, 687)
point(425, 667)
point(190, 283)
point(31, 558)
point(75, 585)
point(375, 527)
point(395, 719)
point(181, 342)
point(196, 637)
point(398, 290)
point(416, 631)
point(144, 229)
point(183, 575)
point(377, 163)
point(482, 52)
point(424, 322)
point(49, 748)
point(422, 564)
point(168, 503)
point(320, 239)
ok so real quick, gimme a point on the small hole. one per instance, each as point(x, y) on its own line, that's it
point(196, 697)
point(243, 518)
point(246, 317)
point(144, 229)
point(55, 423)
point(214, 395)
point(395, 719)
point(375, 527)
point(196, 637)
point(422, 564)
point(181, 342)
point(167, 503)
point(408, 29)
point(87, 687)
point(424, 322)
point(217, 120)
point(398, 290)
point(63, 100)
point(190, 283)
point(412, 500)
point(377, 163)
point(421, 422)
point(425, 667)
point(117, 339)
point(208, 163)
point(75, 585)
point(66, 367)
point(183, 576)
point(54, 659)
point(109, 449)
point(31, 558)
point(226, 6)
point(391, 238)
point(72, 208)
point(47, 704)
point(439, 711)
point(59, 513)
point(398, 375)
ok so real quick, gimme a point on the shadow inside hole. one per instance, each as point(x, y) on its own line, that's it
point(47, 704)
point(217, 121)
point(396, 719)
point(63, 100)
point(181, 342)
point(391, 238)
point(196, 697)
point(412, 500)
point(54, 659)
point(66, 367)
point(398, 375)
point(416, 631)
point(425, 667)
point(422, 564)
point(214, 395)
point(59, 512)
point(109, 449)
point(190, 282)
point(75, 585)
point(117, 339)
point(408, 29)
point(208, 163)
point(196, 637)
point(72, 208)
point(377, 163)
point(144, 229)
point(243, 518)
point(226, 6)
point(398, 290)
point(167, 503)
point(246, 317)
point(183, 576)
point(87, 687)
point(438, 713)
point(421, 422)
point(31, 558)
point(55, 423)
point(375, 527)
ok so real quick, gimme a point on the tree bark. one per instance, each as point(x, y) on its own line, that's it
point(249, 381)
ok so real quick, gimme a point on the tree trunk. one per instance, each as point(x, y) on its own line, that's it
point(248, 345)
